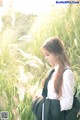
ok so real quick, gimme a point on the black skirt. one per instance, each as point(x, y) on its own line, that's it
point(51, 110)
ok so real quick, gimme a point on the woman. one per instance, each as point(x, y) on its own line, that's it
point(58, 88)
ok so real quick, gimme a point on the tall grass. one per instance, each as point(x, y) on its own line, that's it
point(17, 77)
point(22, 65)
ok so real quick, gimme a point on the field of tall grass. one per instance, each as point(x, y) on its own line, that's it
point(22, 65)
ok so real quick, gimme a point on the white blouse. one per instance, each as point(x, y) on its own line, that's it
point(66, 100)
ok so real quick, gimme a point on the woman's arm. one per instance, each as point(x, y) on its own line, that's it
point(66, 100)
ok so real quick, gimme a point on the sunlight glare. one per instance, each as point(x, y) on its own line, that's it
point(32, 7)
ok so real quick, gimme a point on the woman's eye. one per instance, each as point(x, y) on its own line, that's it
point(47, 54)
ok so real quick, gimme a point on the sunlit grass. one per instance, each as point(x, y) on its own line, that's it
point(22, 65)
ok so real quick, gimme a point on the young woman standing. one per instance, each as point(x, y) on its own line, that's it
point(58, 87)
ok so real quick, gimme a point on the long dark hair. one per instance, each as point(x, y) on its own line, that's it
point(55, 45)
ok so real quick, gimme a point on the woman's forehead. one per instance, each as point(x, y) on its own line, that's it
point(44, 51)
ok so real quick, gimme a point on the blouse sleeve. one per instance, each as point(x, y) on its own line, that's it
point(66, 100)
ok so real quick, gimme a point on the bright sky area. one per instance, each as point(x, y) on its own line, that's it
point(29, 6)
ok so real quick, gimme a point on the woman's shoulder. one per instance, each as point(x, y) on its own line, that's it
point(68, 79)
point(68, 75)
point(68, 71)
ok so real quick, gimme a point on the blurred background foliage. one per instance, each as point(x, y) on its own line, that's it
point(22, 65)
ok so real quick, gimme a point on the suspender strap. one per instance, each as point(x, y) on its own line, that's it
point(66, 69)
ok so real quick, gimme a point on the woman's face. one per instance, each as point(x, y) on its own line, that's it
point(50, 57)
